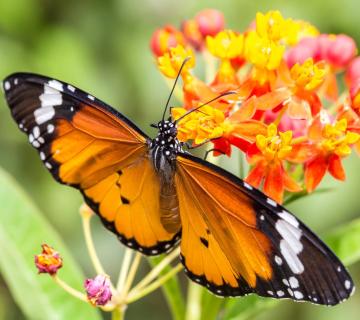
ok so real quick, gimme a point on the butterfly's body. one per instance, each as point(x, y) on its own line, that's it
point(163, 151)
point(234, 240)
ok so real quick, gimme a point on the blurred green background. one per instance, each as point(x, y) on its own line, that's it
point(103, 48)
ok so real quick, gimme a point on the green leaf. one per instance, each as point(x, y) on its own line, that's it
point(344, 241)
point(210, 305)
point(172, 291)
point(22, 231)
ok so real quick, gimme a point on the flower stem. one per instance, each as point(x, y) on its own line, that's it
point(90, 244)
point(124, 269)
point(193, 309)
point(75, 293)
point(131, 275)
point(117, 314)
point(155, 285)
point(156, 270)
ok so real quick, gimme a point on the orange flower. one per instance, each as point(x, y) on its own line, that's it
point(332, 143)
point(49, 261)
point(266, 156)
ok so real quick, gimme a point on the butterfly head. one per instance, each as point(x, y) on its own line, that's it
point(165, 145)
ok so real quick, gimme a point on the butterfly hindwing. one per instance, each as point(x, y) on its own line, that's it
point(237, 241)
point(86, 144)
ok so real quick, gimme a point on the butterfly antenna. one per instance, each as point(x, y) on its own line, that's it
point(173, 88)
point(204, 104)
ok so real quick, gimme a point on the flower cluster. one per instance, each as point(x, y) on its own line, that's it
point(285, 113)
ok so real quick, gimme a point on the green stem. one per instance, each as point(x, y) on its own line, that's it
point(155, 285)
point(193, 309)
point(75, 293)
point(90, 245)
point(117, 314)
point(124, 269)
point(172, 291)
point(131, 275)
point(156, 270)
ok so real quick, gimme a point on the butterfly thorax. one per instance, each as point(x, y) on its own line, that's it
point(163, 150)
point(165, 146)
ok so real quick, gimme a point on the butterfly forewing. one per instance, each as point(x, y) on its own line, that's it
point(236, 241)
point(86, 144)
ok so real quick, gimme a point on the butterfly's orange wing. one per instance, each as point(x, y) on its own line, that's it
point(88, 145)
point(237, 241)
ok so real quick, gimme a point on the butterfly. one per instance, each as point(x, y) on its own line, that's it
point(154, 195)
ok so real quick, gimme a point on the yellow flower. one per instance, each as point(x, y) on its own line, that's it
point(270, 25)
point(263, 52)
point(308, 75)
point(338, 139)
point(200, 126)
point(169, 64)
point(298, 29)
point(275, 145)
point(226, 44)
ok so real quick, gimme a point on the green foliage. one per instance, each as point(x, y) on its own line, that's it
point(172, 292)
point(22, 231)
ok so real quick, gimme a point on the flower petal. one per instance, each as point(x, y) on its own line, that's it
point(335, 167)
point(256, 174)
point(301, 152)
point(315, 170)
point(274, 182)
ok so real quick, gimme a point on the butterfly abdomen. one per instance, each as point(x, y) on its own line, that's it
point(163, 150)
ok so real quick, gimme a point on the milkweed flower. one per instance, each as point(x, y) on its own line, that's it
point(266, 157)
point(98, 290)
point(332, 142)
point(285, 113)
point(48, 261)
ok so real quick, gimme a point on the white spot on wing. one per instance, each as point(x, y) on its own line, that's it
point(50, 98)
point(42, 156)
point(50, 128)
point(271, 202)
point(71, 88)
point(290, 245)
point(247, 186)
point(270, 293)
point(347, 284)
point(280, 293)
point(294, 283)
point(289, 218)
point(7, 85)
point(91, 97)
point(278, 260)
point(298, 295)
point(56, 85)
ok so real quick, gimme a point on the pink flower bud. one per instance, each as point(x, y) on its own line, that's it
point(353, 72)
point(355, 96)
point(98, 290)
point(297, 126)
point(165, 38)
point(324, 41)
point(190, 29)
point(305, 49)
point(210, 22)
point(341, 51)
point(49, 261)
